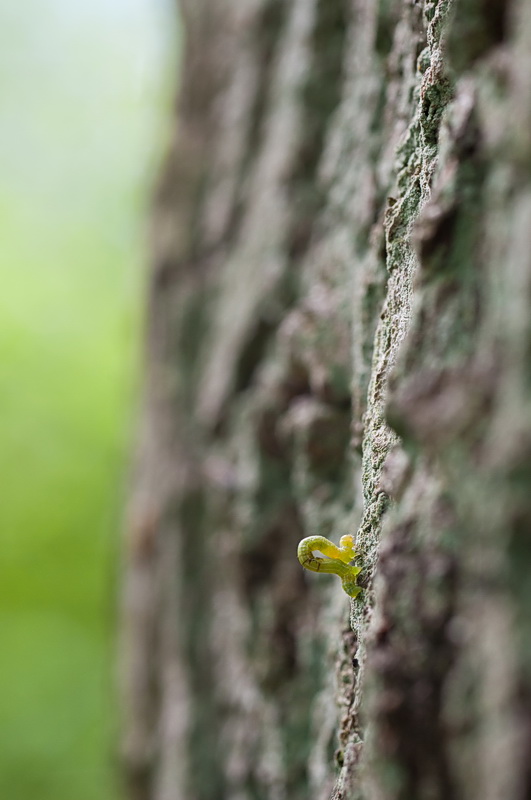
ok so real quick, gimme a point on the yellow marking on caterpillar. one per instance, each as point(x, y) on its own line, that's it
point(320, 555)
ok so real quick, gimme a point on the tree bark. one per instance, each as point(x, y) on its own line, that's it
point(339, 342)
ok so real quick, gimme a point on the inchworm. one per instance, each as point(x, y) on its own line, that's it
point(320, 555)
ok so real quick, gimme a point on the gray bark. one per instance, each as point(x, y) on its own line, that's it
point(339, 342)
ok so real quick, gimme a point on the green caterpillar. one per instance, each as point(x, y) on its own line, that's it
point(320, 555)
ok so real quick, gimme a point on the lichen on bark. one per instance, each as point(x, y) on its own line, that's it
point(338, 344)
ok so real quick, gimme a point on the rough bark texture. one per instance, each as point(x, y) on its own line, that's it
point(340, 342)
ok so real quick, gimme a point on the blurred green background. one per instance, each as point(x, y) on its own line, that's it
point(85, 93)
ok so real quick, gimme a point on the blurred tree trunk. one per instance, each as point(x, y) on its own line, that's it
point(339, 341)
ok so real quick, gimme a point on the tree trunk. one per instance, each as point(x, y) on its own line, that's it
point(339, 342)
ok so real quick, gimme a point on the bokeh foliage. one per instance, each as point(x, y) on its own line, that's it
point(84, 90)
